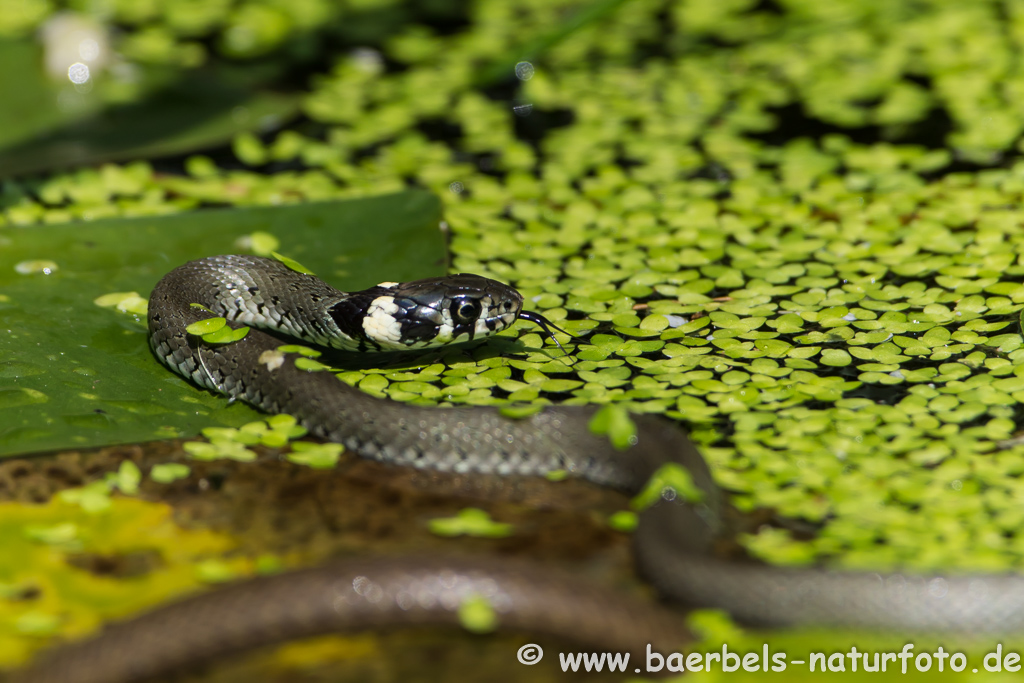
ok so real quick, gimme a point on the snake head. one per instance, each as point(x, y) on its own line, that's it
point(438, 311)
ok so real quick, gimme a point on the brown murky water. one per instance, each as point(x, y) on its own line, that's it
point(360, 508)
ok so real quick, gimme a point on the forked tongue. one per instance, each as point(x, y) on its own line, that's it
point(547, 326)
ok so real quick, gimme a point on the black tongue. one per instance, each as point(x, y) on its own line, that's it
point(547, 326)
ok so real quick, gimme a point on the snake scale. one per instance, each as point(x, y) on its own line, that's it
point(672, 543)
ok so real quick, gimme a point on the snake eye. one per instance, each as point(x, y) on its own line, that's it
point(465, 311)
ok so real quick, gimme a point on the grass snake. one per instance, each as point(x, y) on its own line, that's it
point(672, 544)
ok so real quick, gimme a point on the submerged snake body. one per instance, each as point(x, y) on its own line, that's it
point(672, 542)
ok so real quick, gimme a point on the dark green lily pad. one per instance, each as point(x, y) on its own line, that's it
point(30, 99)
point(76, 374)
point(180, 112)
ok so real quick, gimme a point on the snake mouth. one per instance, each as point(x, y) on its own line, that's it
point(547, 326)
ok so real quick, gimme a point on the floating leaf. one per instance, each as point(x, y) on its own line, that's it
point(669, 481)
point(113, 299)
point(93, 497)
point(623, 520)
point(310, 365)
point(126, 479)
point(259, 243)
point(477, 615)
point(292, 263)
point(520, 411)
point(301, 350)
point(169, 472)
point(208, 326)
point(613, 420)
point(470, 522)
point(315, 455)
point(36, 266)
point(225, 335)
point(54, 404)
point(556, 475)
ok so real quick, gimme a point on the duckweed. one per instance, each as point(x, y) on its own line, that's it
point(230, 443)
point(292, 263)
point(470, 522)
point(167, 473)
point(317, 456)
point(749, 226)
point(126, 302)
point(477, 615)
point(670, 481)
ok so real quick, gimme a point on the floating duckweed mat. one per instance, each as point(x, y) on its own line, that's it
point(833, 315)
point(75, 363)
point(792, 226)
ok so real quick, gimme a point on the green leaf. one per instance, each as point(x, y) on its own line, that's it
point(60, 404)
point(303, 363)
point(281, 421)
point(113, 299)
point(520, 411)
point(256, 427)
point(613, 420)
point(225, 335)
point(167, 473)
point(94, 497)
point(227, 450)
point(224, 434)
point(835, 357)
point(260, 243)
point(477, 615)
point(556, 475)
point(301, 350)
point(623, 520)
point(126, 479)
point(470, 522)
point(316, 455)
point(670, 480)
point(208, 326)
point(292, 263)
point(274, 439)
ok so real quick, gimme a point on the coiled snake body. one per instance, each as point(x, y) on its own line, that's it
point(672, 542)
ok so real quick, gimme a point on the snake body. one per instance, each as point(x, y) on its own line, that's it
point(673, 540)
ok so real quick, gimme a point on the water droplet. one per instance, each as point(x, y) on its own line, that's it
point(524, 71)
point(78, 73)
point(36, 266)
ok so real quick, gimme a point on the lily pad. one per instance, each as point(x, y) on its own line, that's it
point(45, 126)
point(30, 98)
point(79, 375)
